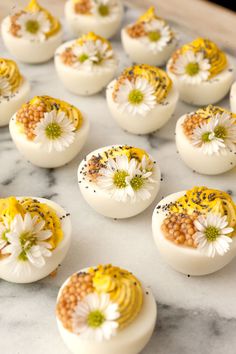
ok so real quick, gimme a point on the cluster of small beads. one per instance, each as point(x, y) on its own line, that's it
point(67, 57)
point(191, 123)
point(180, 229)
point(83, 7)
point(78, 287)
point(137, 30)
point(29, 115)
point(14, 28)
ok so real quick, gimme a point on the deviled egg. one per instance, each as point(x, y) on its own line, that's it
point(202, 72)
point(49, 132)
point(206, 140)
point(119, 181)
point(195, 230)
point(149, 40)
point(101, 16)
point(142, 99)
point(14, 90)
point(233, 98)
point(105, 310)
point(86, 65)
point(32, 34)
point(35, 235)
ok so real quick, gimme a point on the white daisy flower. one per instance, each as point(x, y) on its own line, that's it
point(217, 136)
point(136, 97)
point(55, 131)
point(158, 35)
point(104, 8)
point(124, 179)
point(114, 177)
point(192, 67)
point(5, 87)
point(92, 54)
point(26, 242)
point(33, 25)
point(211, 236)
point(95, 318)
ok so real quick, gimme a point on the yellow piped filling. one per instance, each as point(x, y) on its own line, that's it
point(91, 36)
point(157, 77)
point(217, 58)
point(9, 71)
point(124, 289)
point(204, 200)
point(10, 207)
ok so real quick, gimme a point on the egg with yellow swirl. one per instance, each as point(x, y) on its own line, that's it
point(52, 217)
point(142, 45)
point(136, 311)
point(194, 155)
point(202, 72)
point(58, 120)
point(196, 201)
point(14, 89)
point(81, 74)
point(163, 92)
point(32, 34)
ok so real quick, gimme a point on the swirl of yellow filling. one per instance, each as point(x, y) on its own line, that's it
point(91, 36)
point(157, 78)
point(124, 289)
point(204, 200)
point(10, 207)
point(33, 6)
point(10, 71)
point(217, 58)
point(129, 151)
point(210, 111)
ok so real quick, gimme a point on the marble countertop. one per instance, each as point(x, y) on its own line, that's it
point(195, 314)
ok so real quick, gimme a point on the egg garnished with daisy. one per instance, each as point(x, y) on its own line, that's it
point(119, 181)
point(35, 235)
point(233, 98)
point(195, 230)
point(32, 34)
point(86, 65)
point(103, 310)
point(202, 72)
point(142, 99)
point(14, 89)
point(49, 132)
point(101, 16)
point(206, 140)
point(149, 40)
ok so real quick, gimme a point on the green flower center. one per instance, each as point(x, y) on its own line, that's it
point(95, 319)
point(53, 131)
point(135, 96)
point(27, 240)
point(154, 36)
point(211, 233)
point(119, 179)
point(32, 26)
point(103, 10)
point(206, 137)
point(83, 58)
point(192, 69)
point(220, 132)
point(137, 183)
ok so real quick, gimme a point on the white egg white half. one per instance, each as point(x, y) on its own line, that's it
point(101, 201)
point(185, 259)
point(138, 124)
point(83, 82)
point(32, 52)
point(233, 98)
point(38, 155)
point(207, 92)
point(58, 254)
point(106, 26)
point(196, 159)
point(8, 106)
point(130, 340)
point(140, 53)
